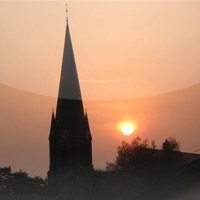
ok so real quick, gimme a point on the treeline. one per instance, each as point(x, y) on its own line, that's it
point(20, 182)
point(139, 168)
point(143, 155)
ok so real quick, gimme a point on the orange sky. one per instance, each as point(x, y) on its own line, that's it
point(122, 49)
point(25, 125)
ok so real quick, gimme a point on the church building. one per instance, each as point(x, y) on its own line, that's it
point(70, 140)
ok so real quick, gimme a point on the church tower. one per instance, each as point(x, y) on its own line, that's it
point(70, 140)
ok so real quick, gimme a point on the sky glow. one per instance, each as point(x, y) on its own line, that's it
point(123, 50)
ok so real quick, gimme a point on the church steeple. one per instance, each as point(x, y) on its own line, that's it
point(69, 84)
point(69, 89)
point(70, 137)
point(69, 104)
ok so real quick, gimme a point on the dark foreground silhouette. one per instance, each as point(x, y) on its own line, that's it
point(140, 172)
point(182, 184)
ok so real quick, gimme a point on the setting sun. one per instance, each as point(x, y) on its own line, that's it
point(126, 128)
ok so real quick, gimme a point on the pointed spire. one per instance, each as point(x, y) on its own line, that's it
point(53, 130)
point(69, 96)
point(69, 84)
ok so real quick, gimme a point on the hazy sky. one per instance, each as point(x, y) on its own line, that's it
point(123, 49)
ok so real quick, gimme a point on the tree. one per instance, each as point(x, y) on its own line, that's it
point(19, 182)
point(134, 156)
point(139, 155)
point(171, 157)
point(171, 144)
point(6, 180)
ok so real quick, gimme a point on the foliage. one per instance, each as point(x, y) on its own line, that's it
point(133, 156)
point(19, 182)
point(140, 155)
point(6, 180)
point(171, 144)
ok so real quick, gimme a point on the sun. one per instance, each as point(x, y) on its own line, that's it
point(126, 128)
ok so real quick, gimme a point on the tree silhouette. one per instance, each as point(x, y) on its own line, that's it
point(6, 180)
point(19, 182)
point(134, 156)
point(140, 155)
point(171, 144)
point(171, 157)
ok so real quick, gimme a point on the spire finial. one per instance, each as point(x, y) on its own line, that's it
point(66, 13)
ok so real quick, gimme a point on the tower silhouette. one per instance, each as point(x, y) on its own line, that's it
point(70, 140)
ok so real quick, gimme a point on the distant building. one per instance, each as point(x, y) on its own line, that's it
point(70, 139)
